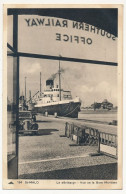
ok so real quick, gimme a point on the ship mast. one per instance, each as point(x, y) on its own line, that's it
point(29, 95)
point(40, 84)
point(59, 82)
point(25, 88)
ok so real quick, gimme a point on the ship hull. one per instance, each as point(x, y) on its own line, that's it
point(70, 109)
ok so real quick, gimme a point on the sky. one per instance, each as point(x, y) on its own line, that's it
point(90, 82)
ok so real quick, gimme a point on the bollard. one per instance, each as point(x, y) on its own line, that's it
point(71, 131)
point(66, 129)
point(46, 114)
point(55, 114)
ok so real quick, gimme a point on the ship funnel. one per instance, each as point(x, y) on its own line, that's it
point(49, 84)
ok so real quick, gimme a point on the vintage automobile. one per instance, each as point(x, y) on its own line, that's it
point(27, 115)
point(27, 123)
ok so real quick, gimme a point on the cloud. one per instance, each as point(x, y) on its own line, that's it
point(34, 68)
point(102, 87)
point(89, 82)
point(87, 89)
point(97, 93)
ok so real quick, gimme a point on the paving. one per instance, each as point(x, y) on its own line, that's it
point(101, 127)
point(50, 151)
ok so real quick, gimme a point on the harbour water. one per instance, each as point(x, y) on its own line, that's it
point(105, 117)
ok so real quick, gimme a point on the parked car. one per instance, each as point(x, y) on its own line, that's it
point(27, 123)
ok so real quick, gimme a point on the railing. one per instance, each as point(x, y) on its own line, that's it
point(83, 135)
point(108, 144)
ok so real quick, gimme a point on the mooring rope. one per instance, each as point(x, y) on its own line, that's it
point(71, 111)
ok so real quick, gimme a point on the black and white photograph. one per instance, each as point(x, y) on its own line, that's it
point(63, 99)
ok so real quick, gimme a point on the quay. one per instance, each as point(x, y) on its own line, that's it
point(51, 155)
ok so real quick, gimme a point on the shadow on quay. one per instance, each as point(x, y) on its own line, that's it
point(41, 121)
point(41, 132)
point(47, 131)
point(97, 172)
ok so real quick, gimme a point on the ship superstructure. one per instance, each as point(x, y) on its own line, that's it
point(54, 99)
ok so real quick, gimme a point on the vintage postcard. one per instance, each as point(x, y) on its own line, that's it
point(62, 96)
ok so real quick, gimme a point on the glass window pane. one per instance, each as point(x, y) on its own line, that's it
point(10, 30)
point(11, 114)
point(37, 34)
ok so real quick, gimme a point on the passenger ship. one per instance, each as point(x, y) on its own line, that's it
point(55, 100)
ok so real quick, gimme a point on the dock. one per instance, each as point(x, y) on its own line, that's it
point(101, 127)
point(51, 155)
